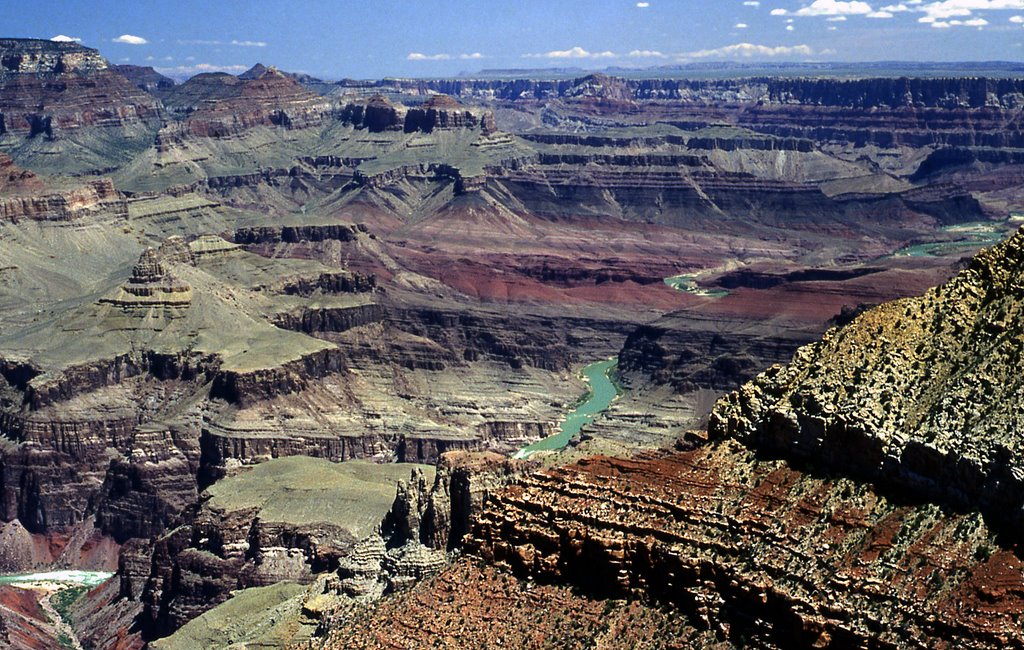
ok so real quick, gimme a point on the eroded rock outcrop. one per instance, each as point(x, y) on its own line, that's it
point(29, 196)
point(151, 285)
point(48, 87)
point(759, 552)
point(922, 393)
point(427, 520)
point(286, 519)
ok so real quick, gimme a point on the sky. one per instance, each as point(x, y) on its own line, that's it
point(370, 39)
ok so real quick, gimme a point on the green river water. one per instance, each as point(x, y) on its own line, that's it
point(602, 391)
point(87, 578)
point(981, 233)
point(688, 284)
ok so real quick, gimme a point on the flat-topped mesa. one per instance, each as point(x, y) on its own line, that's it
point(88, 92)
point(376, 114)
point(144, 77)
point(206, 246)
point(37, 56)
point(272, 99)
point(151, 285)
point(445, 112)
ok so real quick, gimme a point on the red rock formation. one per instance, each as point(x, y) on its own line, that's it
point(757, 550)
point(273, 99)
point(23, 623)
point(444, 112)
point(48, 87)
point(473, 606)
point(23, 195)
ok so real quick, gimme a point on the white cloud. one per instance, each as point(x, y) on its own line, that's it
point(828, 8)
point(944, 9)
point(61, 38)
point(752, 3)
point(748, 50)
point(572, 53)
point(741, 25)
point(130, 39)
point(895, 9)
point(442, 56)
point(1017, 19)
point(643, 5)
point(836, 19)
point(419, 56)
point(942, 25)
point(647, 54)
point(880, 14)
point(231, 42)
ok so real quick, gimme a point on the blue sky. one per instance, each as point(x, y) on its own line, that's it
point(376, 38)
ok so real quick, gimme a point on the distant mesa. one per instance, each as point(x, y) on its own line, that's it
point(211, 245)
point(144, 77)
point(441, 112)
point(151, 285)
point(47, 88)
point(36, 56)
point(224, 105)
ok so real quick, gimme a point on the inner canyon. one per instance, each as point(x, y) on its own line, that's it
point(624, 359)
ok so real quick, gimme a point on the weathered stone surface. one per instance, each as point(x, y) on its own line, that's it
point(286, 519)
point(920, 393)
point(49, 87)
point(756, 550)
point(150, 285)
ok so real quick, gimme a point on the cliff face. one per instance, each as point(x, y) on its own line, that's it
point(46, 88)
point(313, 517)
point(893, 93)
point(921, 393)
point(748, 547)
point(26, 196)
point(42, 57)
point(272, 99)
point(970, 92)
point(440, 112)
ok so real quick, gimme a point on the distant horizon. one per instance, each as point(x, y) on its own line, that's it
point(708, 68)
point(430, 39)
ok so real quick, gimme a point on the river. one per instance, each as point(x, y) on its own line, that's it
point(602, 391)
point(688, 284)
point(973, 235)
point(57, 578)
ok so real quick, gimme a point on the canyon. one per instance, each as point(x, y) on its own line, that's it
point(268, 345)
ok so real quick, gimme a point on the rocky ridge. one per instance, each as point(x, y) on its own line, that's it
point(883, 398)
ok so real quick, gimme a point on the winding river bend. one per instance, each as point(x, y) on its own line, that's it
point(602, 391)
point(57, 578)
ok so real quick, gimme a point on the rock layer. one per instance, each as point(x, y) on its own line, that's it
point(922, 393)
